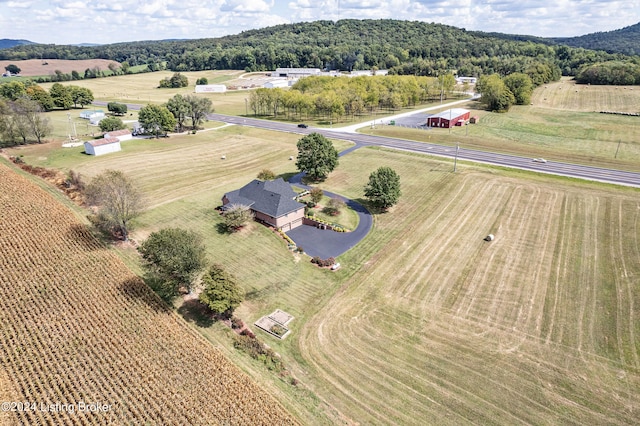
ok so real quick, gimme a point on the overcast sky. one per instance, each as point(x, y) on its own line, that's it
point(111, 21)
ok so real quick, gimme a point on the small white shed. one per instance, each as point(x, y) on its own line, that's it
point(102, 146)
point(92, 114)
point(121, 135)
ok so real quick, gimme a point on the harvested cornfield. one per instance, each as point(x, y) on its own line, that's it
point(84, 341)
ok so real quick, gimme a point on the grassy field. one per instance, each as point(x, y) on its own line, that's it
point(425, 323)
point(441, 327)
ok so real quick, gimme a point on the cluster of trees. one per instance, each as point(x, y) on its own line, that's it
point(161, 119)
point(22, 105)
point(177, 80)
point(499, 93)
point(333, 98)
point(404, 47)
point(59, 96)
point(614, 73)
point(174, 258)
point(22, 122)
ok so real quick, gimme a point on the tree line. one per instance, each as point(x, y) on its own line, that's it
point(334, 98)
point(403, 47)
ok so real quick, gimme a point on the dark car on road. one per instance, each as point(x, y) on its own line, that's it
point(302, 126)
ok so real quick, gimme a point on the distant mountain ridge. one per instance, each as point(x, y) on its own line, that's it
point(6, 43)
point(625, 40)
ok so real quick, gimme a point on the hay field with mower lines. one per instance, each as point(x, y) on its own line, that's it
point(441, 327)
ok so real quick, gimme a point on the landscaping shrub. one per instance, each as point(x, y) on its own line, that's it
point(323, 263)
point(257, 350)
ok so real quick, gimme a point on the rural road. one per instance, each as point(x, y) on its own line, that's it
point(613, 176)
point(617, 177)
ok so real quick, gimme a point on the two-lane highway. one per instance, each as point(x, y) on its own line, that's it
point(563, 169)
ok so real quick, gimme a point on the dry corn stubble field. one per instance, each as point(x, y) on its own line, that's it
point(440, 327)
point(78, 326)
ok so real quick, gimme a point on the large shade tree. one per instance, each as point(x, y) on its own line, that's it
point(156, 119)
point(383, 188)
point(198, 109)
point(317, 156)
point(494, 93)
point(173, 258)
point(118, 199)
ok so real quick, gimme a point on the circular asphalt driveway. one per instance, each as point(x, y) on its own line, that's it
point(325, 243)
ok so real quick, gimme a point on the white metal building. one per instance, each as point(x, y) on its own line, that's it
point(211, 88)
point(102, 146)
point(276, 83)
point(295, 72)
point(92, 113)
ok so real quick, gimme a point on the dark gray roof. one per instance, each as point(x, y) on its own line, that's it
point(273, 197)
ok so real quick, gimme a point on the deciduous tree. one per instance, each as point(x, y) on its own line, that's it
point(117, 108)
point(173, 258)
point(198, 109)
point(180, 109)
point(61, 96)
point(266, 174)
point(118, 199)
point(109, 124)
point(222, 293)
point(81, 96)
point(316, 156)
point(521, 86)
point(156, 119)
point(316, 194)
point(494, 93)
point(383, 189)
point(13, 69)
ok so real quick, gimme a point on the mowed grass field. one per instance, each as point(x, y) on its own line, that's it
point(440, 327)
point(425, 323)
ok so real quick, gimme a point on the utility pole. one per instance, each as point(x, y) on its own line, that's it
point(455, 159)
point(618, 148)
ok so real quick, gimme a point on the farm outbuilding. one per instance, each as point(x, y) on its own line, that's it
point(92, 114)
point(211, 88)
point(102, 146)
point(295, 72)
point(276, 83)
point(449, 118)
point(121, 135)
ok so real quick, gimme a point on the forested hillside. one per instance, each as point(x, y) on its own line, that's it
point(625, 40)
point(403, 47)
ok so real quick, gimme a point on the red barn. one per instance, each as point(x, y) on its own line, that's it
point(449, 118)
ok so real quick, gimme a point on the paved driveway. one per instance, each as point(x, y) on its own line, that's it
point(325, 243)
